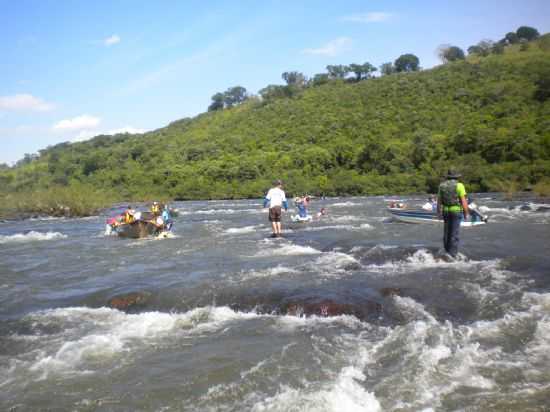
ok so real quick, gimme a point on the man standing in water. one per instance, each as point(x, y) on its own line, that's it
point(276, 199)
point(452, 204)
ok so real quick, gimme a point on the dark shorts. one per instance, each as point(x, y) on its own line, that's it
point(275, 214)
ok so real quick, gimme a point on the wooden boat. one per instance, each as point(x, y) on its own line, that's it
point(137, 229)
point(424, 216)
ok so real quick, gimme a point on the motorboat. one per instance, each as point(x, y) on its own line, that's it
point(426, 216)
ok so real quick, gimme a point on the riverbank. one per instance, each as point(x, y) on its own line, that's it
point(71, 201)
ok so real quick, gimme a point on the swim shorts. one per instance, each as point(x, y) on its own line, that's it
point(275, 214)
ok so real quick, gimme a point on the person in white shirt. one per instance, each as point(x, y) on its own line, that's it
point(276, 199)
point(430, 205)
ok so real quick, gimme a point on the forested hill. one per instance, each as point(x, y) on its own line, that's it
point(488, 116)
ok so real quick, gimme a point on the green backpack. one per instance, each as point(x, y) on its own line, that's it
point(448, 193)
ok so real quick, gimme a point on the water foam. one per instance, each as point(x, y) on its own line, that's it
point(332, 263)
point(347, 218)
point(266, 273)
point(225, 211)
point(345, 204)
point(343, 394)
point(244, 229)
point(435, 359)
point(288, 250)
point(364, 226)
point(91, 338)
point(422, 259)
point(31, 237)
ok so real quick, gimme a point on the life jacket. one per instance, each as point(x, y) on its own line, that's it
point(155, 209)
point(128, 217)
point(447, 191)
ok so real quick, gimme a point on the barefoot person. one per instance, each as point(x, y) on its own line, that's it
point(452, 204)
point(276, 199)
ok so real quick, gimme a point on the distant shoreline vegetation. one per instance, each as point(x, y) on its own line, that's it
point(77, 200)
point(335, 134)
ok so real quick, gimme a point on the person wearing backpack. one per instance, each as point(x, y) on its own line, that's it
point(453, 206)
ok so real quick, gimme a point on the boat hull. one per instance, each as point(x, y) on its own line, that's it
point(137, 230)
point(423, 216)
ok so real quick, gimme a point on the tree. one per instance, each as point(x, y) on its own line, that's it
point(274, 91)
point(387, 68)
point(319, 79)
point(511, 38)
point(449, 53)
point(406, 63)
point(498, 48)
point(362, 71)
point(527, 33)
point(217, 102)
point(234, 95)
point(338, 71)
point(483, 48)
point(294, 79)
point(474, 50)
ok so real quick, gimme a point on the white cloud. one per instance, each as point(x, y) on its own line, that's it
point(372, 17)
point(332, 48)
point(25, 102)
point(78, 123)
point(109, 41)
point(88, 134)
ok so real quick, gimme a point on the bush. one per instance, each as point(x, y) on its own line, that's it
point(542, 188)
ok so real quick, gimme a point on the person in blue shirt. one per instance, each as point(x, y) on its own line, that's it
point(167, 219)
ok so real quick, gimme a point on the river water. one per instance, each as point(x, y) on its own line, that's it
point(353, 312)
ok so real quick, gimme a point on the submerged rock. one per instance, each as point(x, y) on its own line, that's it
point(329, 308)
point(129, 300)
point(387, 292)
point(310, 306)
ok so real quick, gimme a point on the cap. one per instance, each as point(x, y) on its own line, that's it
point(453, 174)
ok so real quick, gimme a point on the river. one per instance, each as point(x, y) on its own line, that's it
point(353, 312)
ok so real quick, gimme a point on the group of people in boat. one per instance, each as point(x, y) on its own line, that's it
point(159, 215)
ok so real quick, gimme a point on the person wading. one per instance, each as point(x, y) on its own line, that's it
point(276, 198)
point(452, 204)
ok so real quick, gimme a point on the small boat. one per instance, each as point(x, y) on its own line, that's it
point(145, 225)
point(424, 216)
point(138, 229)
point(301, 219)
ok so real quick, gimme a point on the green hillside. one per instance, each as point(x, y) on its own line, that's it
point(488, 116)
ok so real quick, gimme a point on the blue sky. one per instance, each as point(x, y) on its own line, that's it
point(70, 70)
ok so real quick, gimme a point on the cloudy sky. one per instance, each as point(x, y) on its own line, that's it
point(70, 70)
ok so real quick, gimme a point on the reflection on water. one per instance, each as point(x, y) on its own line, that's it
point(349, 312)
